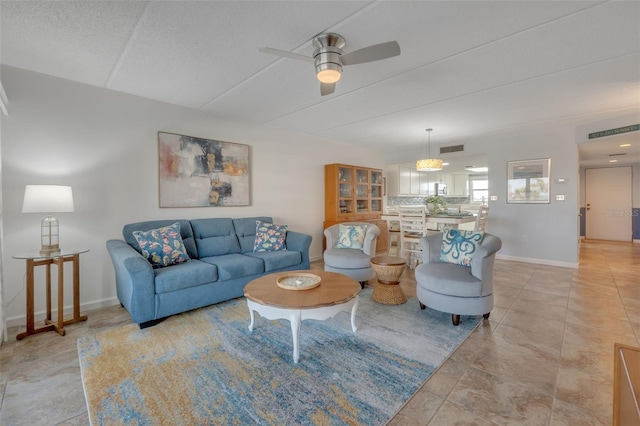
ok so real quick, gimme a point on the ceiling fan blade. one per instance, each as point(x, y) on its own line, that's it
point(371, 53)
point(327, 88)
point(286, 54)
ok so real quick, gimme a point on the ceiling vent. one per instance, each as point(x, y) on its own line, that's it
point(452, 148)
point(615, 155)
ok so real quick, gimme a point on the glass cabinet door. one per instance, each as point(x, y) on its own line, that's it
point(346, 206)
point(376, 206)
point(345, 175)
point(346, 190)
point(376, 192)
point(362, 191)
point(362, 176)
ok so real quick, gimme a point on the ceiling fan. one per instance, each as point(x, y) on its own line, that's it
point(329, 58)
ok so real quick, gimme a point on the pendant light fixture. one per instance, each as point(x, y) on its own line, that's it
point(429, 164)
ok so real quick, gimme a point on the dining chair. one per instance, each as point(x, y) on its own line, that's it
point(393, 230)
point(481, 218)
point(413, 226)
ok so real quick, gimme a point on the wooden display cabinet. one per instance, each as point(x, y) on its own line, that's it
point(352, 193)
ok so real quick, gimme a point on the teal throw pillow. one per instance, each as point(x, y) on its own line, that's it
point(162, 246)
point(270, 237)
point(351, 236)
point(459, 246)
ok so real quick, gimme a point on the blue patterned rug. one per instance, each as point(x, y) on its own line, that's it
point(206, 367)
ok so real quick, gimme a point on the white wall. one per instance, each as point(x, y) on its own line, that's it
point(551, 229)
point(104, 144)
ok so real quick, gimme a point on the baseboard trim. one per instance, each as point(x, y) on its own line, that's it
point(68, 311)
point(539, 261)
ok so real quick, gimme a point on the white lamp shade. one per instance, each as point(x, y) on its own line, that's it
point(429, 165)
point(47, 199)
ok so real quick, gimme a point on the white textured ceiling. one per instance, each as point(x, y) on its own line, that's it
point(467, 68)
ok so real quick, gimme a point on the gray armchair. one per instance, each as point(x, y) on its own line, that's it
point(457, 289)
point(353, 263)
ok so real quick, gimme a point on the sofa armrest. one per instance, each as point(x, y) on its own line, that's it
point(297, 241)
point(135, 281)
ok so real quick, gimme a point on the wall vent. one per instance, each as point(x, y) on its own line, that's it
point(615, 155)
point(452, 148)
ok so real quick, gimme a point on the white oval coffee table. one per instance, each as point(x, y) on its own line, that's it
point(336, 293)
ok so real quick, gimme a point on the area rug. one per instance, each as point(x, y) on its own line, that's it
point(206, 367)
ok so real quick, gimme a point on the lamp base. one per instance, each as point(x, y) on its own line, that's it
point(50, 249)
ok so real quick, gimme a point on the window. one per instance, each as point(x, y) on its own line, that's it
point(478, 189)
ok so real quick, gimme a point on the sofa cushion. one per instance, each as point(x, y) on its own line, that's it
point(215, 237)
point(236, 265)
point(186, 233)
point(459, 246)
point(162, 246)
point(270, 237)
point(185, 275)
point(351, 236)
point(346, 258)
point(246, 231)
point(274, 260)
point(447, 278)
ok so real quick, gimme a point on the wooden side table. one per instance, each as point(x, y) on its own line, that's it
point(388, 270)
point(33, 259)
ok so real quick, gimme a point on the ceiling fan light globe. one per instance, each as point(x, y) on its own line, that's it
point(328, 75)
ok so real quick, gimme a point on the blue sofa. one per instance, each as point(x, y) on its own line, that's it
point(222, 262)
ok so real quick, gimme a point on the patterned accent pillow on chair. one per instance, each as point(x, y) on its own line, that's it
point(270, 237)
point(351, 236)
point(162, 246)
point(459, 246)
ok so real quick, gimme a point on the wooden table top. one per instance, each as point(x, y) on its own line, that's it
point(334, 289)
point(388, 261)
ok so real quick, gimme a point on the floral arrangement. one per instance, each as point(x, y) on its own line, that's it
point(435, 203)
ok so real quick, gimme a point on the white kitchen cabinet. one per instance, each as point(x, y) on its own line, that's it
point(460, 184)
point(404, 180)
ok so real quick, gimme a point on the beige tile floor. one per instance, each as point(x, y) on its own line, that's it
point(545, 357)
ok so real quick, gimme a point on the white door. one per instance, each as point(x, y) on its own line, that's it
point(608, 203)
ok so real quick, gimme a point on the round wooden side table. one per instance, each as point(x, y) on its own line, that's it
point(388, 270)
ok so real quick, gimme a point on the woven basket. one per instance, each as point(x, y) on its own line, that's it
point(388, 274)
point(387, 294)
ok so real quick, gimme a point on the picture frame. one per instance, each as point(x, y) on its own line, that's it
point(528, 181)
point(199, 172)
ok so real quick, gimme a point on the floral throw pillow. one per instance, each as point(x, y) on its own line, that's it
point(270, 237)
point(459, 246)
point(351, 236)
point(162, 246)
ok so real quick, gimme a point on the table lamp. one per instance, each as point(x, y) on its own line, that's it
point(48, 199)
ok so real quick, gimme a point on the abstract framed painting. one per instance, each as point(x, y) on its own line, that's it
point(198, 172)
